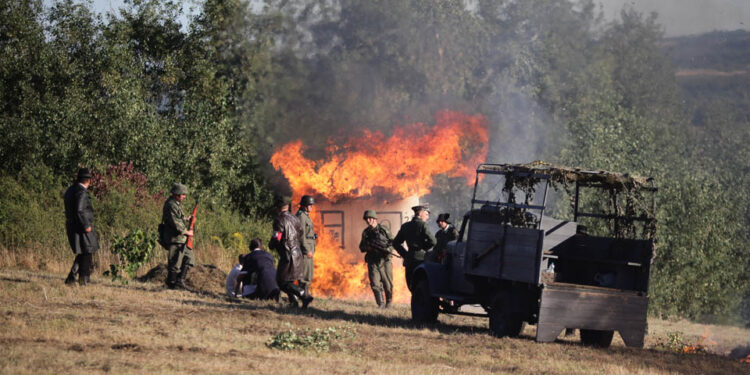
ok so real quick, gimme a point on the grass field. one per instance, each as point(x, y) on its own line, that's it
point(107, 327)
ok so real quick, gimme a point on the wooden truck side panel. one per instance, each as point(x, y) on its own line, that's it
point(575, 306)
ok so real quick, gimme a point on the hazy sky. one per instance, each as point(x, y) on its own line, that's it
point(679, 17)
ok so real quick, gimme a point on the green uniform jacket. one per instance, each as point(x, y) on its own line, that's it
point(418, 239)
point(308, 232)
point(175, 222)
point(372, 255)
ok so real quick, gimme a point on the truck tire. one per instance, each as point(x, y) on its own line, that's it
point(599, 339)
point(503, 321)
point(424, 307)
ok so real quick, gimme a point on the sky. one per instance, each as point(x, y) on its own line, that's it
point(679, 17)
point(683, 17)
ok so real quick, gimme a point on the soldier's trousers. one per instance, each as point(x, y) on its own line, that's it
point(307, 272)
point(381, 277)
point(82, 264)
point(179, 255)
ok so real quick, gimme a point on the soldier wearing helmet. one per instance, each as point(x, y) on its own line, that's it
point(175, 233)
point(418, 240)
point(308, 240)
point(376, 244)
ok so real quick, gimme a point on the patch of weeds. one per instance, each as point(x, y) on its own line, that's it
point(676, 343)
point(319, 340)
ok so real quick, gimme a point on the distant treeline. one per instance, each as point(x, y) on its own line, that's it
point(205, 103)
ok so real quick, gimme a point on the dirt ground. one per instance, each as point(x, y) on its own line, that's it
point(48, 327)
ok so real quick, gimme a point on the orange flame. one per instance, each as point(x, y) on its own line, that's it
point(746, 359)
point(402, 165)
point(705, 344)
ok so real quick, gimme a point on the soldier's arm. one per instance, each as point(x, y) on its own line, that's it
point(81, 214)
point(175, 219)
point(430, 240)
point(398, 243)
point(454, 234)
point(363, 241)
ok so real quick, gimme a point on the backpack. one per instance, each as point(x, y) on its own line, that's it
point(160, 237)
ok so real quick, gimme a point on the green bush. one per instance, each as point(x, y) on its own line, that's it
point(133, 251)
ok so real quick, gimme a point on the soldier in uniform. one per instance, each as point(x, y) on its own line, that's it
point(286, 241)
point(445, 234)
point(175, 236)
point(308, 240)
point(376, 243)
point(418, 239)
point(79, 226)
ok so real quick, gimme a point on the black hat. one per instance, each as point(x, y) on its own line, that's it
point(421, 207)
point(444, 217)
point(84, 173)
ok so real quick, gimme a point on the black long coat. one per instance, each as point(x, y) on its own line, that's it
point(79, 215)
point(286, 240)
point(260, 262)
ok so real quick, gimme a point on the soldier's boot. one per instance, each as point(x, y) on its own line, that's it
point(378, 298)
point(171, 279)
point(83, 280)
point(180, 284)
point(71, 279)
point(306, 299)
point(388, 299)
point(293, 301)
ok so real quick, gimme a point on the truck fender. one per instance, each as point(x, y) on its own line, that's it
point(436, 275)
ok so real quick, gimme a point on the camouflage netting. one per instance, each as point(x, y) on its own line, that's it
point(201, 278)
point(564, 175)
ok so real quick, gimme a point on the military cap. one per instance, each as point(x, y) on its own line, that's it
point(281, 200)
point(306, 200)
point(84, 173)
point(421, 207)
point(444, 217)
point(370, 213)
point(179, 189)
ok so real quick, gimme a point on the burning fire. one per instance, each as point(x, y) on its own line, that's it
point(401, 165)
point(704, 344)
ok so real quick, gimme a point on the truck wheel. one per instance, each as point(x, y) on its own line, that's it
point(424, 307)
point(503, 322)
point(599, 339)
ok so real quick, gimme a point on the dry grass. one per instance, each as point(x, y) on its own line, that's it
point(142, 328)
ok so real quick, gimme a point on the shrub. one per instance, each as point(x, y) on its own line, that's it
point(316, 339)
point(132, 251)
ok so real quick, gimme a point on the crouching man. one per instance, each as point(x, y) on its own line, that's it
point(260, 272)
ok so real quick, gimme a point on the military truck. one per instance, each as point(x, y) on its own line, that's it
point(561, 248)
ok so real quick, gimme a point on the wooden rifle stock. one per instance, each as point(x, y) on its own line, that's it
point(189, 242)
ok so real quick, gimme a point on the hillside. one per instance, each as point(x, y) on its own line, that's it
point(143, 328)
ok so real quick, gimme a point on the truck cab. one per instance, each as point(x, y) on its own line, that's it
point(561, 248)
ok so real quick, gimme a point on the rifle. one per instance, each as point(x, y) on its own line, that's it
point(189, 242)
